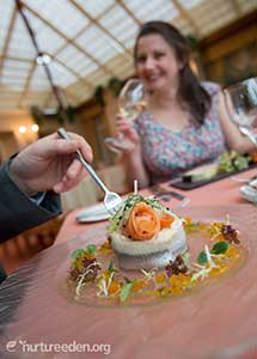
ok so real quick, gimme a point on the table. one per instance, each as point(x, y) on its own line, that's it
point(220, 193)
point(34, 312)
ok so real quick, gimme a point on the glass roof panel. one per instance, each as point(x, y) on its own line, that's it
point(61, 76)
point(87, 68)
point(48, 40)
point(73, 58)
point(9, 72)
point(189, 4)
point(145, 10)
point(98, 44)
point(13, 82)
point(17, 65)
point(60, 14)
point(118, 22)
point(95, 7)
point(6, 10)
point(20, 43)
point(39, 81)
point(63, 28)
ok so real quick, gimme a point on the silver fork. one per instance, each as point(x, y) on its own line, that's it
point(112, 200)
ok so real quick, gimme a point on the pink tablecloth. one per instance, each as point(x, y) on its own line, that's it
point(220, 193)
point(201, 325)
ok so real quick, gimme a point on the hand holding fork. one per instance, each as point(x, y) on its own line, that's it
point(112, 200)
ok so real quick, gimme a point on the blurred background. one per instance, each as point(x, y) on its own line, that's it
point(87, 46)
point(63, 62)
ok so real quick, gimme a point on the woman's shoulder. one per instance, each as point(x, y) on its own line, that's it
point(211, 87)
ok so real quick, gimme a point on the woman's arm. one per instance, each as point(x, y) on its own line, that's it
point(131, 153)
point(234, 138)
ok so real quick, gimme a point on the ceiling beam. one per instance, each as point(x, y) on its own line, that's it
point(31, 73)
point(27, 83)
point(129, 12)
point(186, 15)
point(68, 40)
point(102, 28)
point(89, 84)
point(8, 39)
point(84, 28)
point(14, 58)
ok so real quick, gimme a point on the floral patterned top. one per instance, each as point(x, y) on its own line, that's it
point(167, 153)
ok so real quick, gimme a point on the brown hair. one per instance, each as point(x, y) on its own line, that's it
point(190, 89)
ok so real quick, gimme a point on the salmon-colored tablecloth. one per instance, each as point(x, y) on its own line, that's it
point(220, 193)
point(203, 324)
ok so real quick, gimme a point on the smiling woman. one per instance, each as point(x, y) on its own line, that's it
point(185, 123)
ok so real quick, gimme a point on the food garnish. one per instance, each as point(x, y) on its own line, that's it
point(94, 269)
point(143, 222)
point(128, 205)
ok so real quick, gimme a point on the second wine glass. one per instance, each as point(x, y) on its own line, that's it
point(241, 103)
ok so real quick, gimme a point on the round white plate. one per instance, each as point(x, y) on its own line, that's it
point(249, 193)
point(95, 213)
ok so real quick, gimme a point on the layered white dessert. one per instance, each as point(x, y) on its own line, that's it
point(145, 235)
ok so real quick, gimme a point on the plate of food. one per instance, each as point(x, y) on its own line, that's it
point(148, 253)
point(228, 164)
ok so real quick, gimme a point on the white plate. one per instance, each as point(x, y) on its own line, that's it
point(93, 214)
point(249, 193)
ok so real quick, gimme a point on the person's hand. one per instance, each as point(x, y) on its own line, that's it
point(128, 138)
point(50, 164)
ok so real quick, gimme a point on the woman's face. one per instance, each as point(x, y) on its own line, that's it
point(156, 63)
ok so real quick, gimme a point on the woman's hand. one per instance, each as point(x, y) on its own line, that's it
point(50, 164)
point(128, 138)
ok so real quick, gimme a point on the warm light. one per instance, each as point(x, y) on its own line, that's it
point(22, 129)
point(34, 128)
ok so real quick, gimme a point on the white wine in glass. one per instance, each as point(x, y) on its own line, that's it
point(241, 104)
point(131, 102)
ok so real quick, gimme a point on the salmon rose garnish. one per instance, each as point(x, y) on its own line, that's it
point(143, 222)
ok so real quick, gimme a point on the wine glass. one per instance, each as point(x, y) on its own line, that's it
point(131, 102)
point(241, 103)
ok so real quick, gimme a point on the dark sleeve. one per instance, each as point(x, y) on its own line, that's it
point(18, 212)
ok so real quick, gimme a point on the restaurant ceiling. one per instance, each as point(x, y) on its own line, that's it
point(90, 41)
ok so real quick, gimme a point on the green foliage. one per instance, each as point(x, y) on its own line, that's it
point(202, 258)
point(231, 161)
point(125, 291)
point(115, 86)
point(77, 253)
point(91, 249)
point(219, 248)
point(192, 41)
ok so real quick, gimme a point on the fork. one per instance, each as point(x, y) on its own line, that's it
point(112, 200)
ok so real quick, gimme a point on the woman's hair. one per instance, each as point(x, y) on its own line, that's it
point(190, 89)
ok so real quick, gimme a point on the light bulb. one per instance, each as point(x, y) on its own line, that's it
point(34, 128)
point(22, 129)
